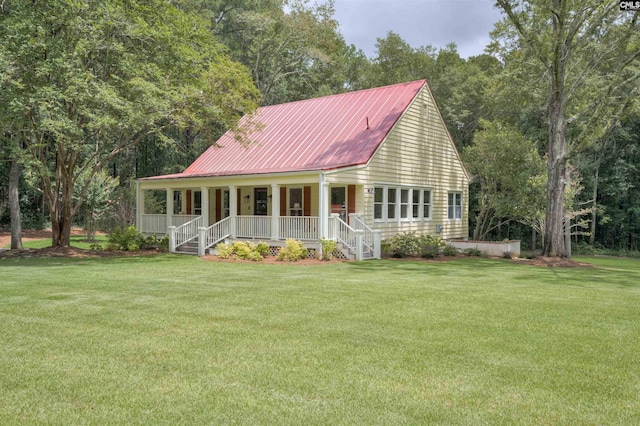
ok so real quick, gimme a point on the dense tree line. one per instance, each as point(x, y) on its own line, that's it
point(527, 148)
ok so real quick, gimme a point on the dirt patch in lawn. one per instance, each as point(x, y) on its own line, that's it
point(72, 252)
point(43, 234)
point(554, 262)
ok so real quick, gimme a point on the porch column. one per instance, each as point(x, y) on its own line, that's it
point(233, 209)
point(204, 206)
point(275, 211)
point(323, 206)
point(139, 206)
point(169, 206)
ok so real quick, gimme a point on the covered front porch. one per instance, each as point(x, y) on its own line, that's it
point(207, 215)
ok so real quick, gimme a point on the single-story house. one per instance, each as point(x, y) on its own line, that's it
point(355, 167)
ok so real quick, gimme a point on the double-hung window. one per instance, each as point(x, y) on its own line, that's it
point(426, 204)
point(378, 203)
point(391, 202)
point(454, 206)
point(405, 203)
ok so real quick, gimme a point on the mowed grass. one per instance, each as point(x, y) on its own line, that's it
point(178, 340)
point(79, 241)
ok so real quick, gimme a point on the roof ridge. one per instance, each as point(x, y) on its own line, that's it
point(423, 81)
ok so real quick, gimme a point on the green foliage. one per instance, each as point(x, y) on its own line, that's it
point(293, 251)
point(94, 193)
point(505, 165)
point(473, 252)
point(152, 242)
point(328, 247)
point(430, 246)
point(125, 238)
point(262, 248)
point(245, 250)
point(413, 243)
point(403, 244)
point(449, 250)
point(224, 250)
point(87, 81)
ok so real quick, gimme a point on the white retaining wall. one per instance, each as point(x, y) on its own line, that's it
point(490, 248)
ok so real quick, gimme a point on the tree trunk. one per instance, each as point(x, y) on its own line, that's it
point(554, 244)
point(554, 229)
point(61, 218)
point(533, 238)
point(14, 204)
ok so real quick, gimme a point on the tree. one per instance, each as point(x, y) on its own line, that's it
point(585, 50)
point(292, 49)
point(92, 79)
point(505, 165)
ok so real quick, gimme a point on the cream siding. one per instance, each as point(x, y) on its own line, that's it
point(417, 153)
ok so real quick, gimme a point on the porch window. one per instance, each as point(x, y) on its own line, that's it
point(454, 206)
point(295, 202)
point(197, 203)
point(177, 202)
point(225, 203)
point(378, 202)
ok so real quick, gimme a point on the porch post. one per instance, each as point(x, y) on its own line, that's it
point(359, 244)
point(169, 206)
point(233, 209)
point(275, 211)
point(204, 206)
point(377, 242)
point(323, 206)
point(139, 206)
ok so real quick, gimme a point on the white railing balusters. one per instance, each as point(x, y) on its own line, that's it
point(153, 223)
point(371, 239)
point(184, 233)
point(181, 219)
point(253, 227)
point(299, 227)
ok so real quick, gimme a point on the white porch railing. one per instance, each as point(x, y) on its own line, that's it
point(153, 223)
point(253, 226)
point(157, 223)
point(299, 227)
point(181, 219)
point(341, 231)
point(371, 239)
point(183, 233)
point(214, 234)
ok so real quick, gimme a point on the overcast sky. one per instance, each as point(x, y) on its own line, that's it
point(418, 22)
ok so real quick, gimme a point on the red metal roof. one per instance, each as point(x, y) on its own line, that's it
point(315, 134)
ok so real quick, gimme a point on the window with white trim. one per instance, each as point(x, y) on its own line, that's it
point(454, 206)
point(415, 213)
point(405, 203)
point(378, 202)
point(392, 194)
point(426, 204)
point(394, 203)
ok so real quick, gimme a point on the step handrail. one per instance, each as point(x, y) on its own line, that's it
point(179, 235)
point(214, 234)
point(369, 240)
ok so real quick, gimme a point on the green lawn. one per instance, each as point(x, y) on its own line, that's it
point(178, 340)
